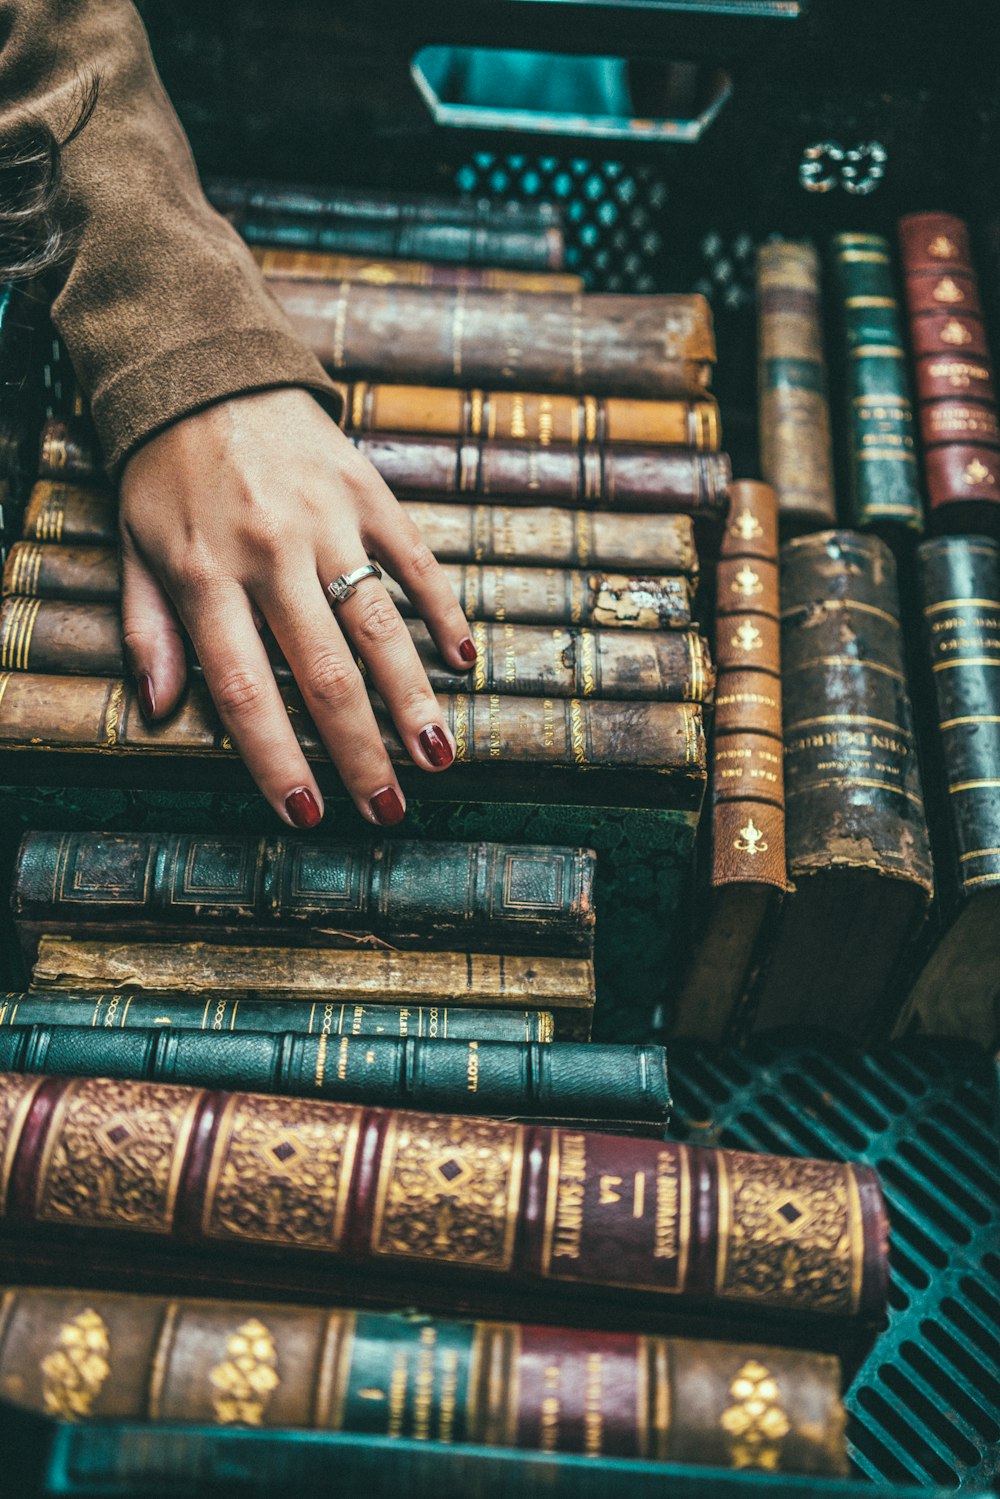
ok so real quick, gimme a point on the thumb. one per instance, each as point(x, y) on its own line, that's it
point(151, 636)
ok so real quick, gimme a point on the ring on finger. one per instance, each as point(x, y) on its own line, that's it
point(346, 586)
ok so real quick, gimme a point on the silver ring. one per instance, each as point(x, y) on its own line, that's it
point(342, 588)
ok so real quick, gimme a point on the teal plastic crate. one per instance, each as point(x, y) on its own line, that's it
point(925, 1406)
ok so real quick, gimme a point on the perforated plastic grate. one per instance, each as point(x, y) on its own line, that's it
point(925, 1406)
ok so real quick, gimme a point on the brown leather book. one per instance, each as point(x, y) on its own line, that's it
point(519, 416)
point(796, 452)
point(287, 1192)
point(79, 515)
point(514, 595)
point(647, 346)
point(961, 440)
point(746, 851)
point(67, 637)
point(88, 1354)
point(859, 862)
point(657, 749)
point(563, 985)
point(315, 265)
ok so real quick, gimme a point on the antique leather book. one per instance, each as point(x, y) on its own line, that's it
point(68, 450)
point(610, 344)
point(957, 986)
point(859, 863)
point(582, 1082)
point(121, 1008)
point(257, 195)
point(159, 1358)
point(312, 265)
point(661, 746)
point(958, 419)
point(52, 635)
point(882, 459)
point(279, 1190)
point(214, 971)
point(494, 532)
point(508, 593)
point(480, 897)
point(530, 417)
point(795, 452)
point(745, 848)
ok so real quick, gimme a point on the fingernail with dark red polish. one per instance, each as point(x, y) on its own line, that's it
point(435, 746)
point(147, 697)
point(302, 809)
point(467, 650)
point(386, 806)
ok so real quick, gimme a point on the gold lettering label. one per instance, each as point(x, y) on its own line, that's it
point(570, 1194)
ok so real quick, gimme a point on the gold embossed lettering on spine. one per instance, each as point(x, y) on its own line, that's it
point(859, 860)
point(796, 455)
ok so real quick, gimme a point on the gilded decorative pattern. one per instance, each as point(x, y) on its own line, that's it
point(755, 1424)
point(15, 1101)
point(114, 1155)
point(280, 1171)
point(789, 1232)
point(242, 1385)
point(577, 732)
point(587, 679)
point(449, 1189)
point(751, 840)
point(113, 712)
point(74, 1373)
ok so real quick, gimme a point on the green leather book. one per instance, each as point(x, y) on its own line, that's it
point(885, 481)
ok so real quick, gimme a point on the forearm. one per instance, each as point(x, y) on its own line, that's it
point(159, 303)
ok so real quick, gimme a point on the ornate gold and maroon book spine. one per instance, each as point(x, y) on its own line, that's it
point(325, 892)
point(512, 595)
point(87, 1354)
point(221, 972)
point(424, 1196)
point(519, 416)
point(645, 346)
point(315, 265)
point(796, 453)
point(65, 637)
point(957, 409)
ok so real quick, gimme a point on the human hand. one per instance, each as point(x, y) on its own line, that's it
point(246, 511)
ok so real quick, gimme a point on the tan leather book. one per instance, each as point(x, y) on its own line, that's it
point(746, 849)
point(564, 986)
point(315, 265)
point(530, 416)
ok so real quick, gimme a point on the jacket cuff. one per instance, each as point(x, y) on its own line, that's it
point(142, 400)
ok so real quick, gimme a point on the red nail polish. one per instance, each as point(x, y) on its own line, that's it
point(467, 650)
point(147, 697)
point(386, 806)
point(302, 809)
point(435, 746)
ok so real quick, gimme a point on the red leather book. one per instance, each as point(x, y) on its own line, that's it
point(280, 1191)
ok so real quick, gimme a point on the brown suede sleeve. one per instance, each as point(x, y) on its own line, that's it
point(160, 304)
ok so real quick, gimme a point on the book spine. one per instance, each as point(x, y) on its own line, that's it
point(68, 451)
point(573, 1080)
point(748, 802)
point(238, 195)
point(509, 595)
point(532, 534)
point(477, 896)
point(662, 480)
point(959, 579)
point(124, 1009)
point(796, 454)
point(531, 417)
point(101, 713)
point(158, 1358)
point(423, 1193)
point(958, 411)
point(309, 265)
point(214, 972)
point(853, 770)
point(514, 246)
point(885, 484)
point(651, 346)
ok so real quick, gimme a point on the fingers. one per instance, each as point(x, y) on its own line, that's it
point(239, 677)
point(407, 558)
point(151, 636)
point(373, 625)
point(334, 691)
